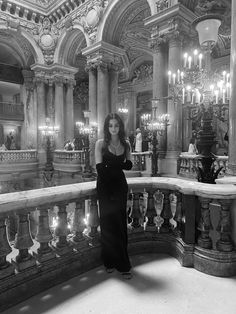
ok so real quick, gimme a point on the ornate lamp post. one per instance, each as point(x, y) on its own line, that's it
point(89, 131)
point(206, 93)
point(49, 132)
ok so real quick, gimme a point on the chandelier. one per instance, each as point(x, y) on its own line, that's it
point(205, 92)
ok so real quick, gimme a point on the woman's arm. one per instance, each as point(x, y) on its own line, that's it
point(98, 151)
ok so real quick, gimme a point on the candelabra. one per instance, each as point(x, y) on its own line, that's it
point(48, 132)
point(155, 125)
point(89, 131)
point(204, 92)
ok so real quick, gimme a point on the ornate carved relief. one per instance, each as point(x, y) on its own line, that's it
point(46, 36)
point(89, 17)
point(143, 73)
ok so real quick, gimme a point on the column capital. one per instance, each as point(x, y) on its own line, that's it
point(70, 83)
point(59, 80)
point(156, 43)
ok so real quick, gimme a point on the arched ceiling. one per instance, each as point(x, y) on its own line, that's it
point(15, 50)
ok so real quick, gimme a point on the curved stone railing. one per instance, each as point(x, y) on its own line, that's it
point(142, 162)
point(69, 161)
point(189, 163)
point(18, 161)
point(57, 234)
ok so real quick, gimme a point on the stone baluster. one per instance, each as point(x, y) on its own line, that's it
point(6, 269)
point(23, 242)
point(135, 214)
point(79, 240)
point(205, 225)
point(62, 245)
point(93, 221)
point(44, 236)
point(151, 214)
point(224, 244)
point(166, 213)
point(178, 214)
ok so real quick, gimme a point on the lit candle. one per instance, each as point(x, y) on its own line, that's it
point(169, 77)
point(200, 60)
point(185, 59)
point(195, 53)
point(174, 77)
point(183, 95)
point(178, 76)
point(189, 62)
point(223, 92)
point(224, 76)
point(192, 101)
point(182, 77)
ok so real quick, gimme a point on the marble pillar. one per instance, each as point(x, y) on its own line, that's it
point(50, 103)
point(59, 112)
point(69, 111)
point(41, 116)
point(93, 93)
point(103, 107)
point(114, 87)
point(232, 107)
point(174, 109)
point(29, 129)
point(160, 84)
point(174, 130)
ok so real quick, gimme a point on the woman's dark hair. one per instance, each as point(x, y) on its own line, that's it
point(121, 134)
point(192, 141)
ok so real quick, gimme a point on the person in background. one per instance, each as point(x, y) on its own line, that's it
point(138, 141)
point(192, 148)
point(3, 147)
point(112, 156)
point(132, 140)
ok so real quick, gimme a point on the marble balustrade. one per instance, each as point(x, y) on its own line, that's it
point(189, 163)
point(142, 161)
point(69, 161)
point(58, 230)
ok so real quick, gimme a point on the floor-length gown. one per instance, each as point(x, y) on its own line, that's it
point(112, 191)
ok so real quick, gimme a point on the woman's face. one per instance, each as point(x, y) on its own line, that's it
point(113, 127)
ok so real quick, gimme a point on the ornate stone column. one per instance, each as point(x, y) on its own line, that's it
point(174, 109)
point(41, 114)
point(114, 71)
point(59, 111)
point(232, 107)
point(29, 130)
point(159, 81)
point(69, 111)
point(50, 104)
point(103, 96)
point(92, 70)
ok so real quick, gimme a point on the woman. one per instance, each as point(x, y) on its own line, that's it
point(112, 155)
point(138, 141)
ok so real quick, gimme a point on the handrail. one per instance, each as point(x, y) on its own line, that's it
point(175, 219)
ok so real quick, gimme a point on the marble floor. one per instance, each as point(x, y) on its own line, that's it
point(159, 285)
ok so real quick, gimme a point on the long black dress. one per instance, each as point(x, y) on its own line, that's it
point(112, 191)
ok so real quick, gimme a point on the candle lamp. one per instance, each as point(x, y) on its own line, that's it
point(48, 132)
